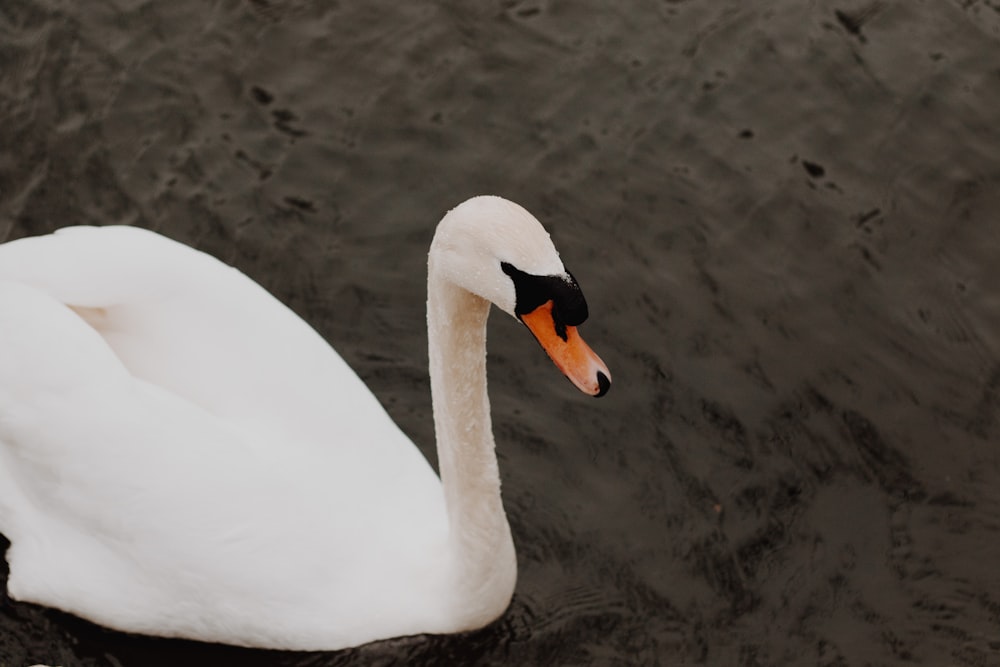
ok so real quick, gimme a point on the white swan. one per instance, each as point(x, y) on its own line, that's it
point(181, 455)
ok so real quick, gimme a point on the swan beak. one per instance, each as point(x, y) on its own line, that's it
point(568, 351)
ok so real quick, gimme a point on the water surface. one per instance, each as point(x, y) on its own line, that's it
point(783, 215)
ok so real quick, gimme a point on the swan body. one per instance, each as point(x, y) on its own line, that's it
point(182, 456)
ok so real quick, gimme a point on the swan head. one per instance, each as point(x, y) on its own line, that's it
point(498, 251)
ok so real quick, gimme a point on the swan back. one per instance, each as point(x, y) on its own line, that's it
point(189, 323)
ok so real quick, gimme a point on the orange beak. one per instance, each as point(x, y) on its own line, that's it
point(568, 351)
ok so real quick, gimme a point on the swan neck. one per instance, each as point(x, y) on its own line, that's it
point(479, 534)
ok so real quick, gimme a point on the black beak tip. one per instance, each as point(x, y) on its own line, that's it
point(603, 384)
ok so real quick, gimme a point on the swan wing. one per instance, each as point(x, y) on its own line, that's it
point(201, 329)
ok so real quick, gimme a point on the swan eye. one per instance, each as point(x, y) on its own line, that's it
point(569, 307)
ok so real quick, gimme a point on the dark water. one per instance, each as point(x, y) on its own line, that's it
point(784, 215)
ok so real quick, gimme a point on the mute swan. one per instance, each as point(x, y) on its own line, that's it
point(182, 456)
